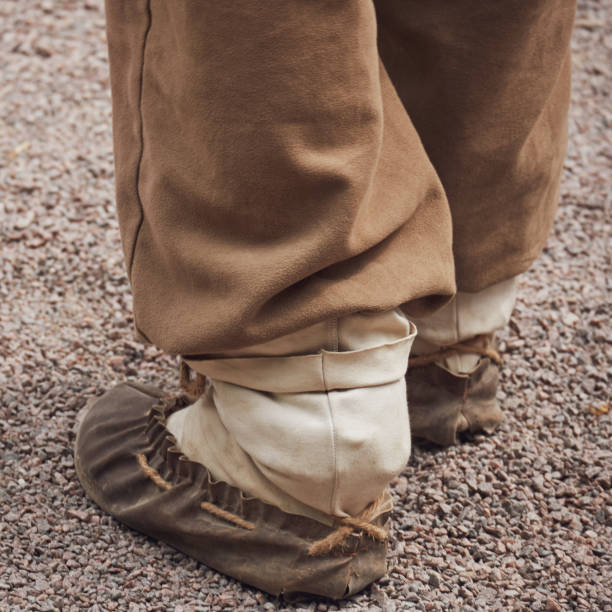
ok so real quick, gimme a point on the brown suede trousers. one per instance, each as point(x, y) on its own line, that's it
point(283, 162)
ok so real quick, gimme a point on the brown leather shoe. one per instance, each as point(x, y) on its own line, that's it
point(442, 404)
point(129, 465)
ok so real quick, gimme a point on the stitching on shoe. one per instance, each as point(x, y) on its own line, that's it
point(227, 516)
point(361, 522)
point(162, 483)
point(167, 408)
point(152, 473)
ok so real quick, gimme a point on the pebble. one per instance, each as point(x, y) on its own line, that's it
point(434, 580)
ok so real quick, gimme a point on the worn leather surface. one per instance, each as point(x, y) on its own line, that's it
point(273, 556)
point(442, 404)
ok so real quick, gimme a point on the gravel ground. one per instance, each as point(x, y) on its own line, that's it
point(517, 521)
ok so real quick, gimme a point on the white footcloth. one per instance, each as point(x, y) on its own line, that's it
point(466, 316)
point(315, 433)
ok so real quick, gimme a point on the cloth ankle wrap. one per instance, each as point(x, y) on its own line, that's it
point(324, 371)
point(466, 316)
point(320, 434)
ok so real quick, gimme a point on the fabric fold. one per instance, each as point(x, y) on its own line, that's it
point(322, 371)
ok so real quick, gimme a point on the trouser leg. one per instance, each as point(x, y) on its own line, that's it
point(487, 87)
point(246, 195)
point(486, 84)
point(268, 176)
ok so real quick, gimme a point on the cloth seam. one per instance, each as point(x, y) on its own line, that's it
point(141, 126)
point(332, 426)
